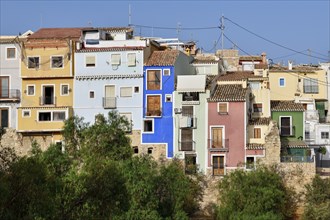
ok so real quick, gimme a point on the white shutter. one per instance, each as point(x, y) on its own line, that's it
point(131, 59)
point(126, 92)
point(115, 59)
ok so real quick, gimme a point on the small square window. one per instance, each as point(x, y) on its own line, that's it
point(64, 89)
point(91, 94)
point(26, 113)
point(223, 108)
point(33, 62)
point(136, 150)
point(11, 53)
point(168, 98)
point(257, 107)
point(136, 89)
point(148, 126)
point(324, 135)
point(30, 90)
point(166, 72)
point(115, 59)
point(282, 82)
point(57, 62)
point(90, 61)
point(150, 150)
point(250, 163)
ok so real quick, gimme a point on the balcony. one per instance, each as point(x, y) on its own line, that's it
point(311, 89)
point(218, 145)
point(188, 122)
point(297, 159)
point(110, 102)
point(47, 100)
point(312, 115)
point(287, 131)
point(12, 95)
point(153, 113)
point(187, 145)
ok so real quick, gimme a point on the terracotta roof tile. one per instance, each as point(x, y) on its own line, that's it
point(294, 144)
point(261, 66)
point(291, 106)
point(259, 121)
point(250, 58)
point(229, 93)
point(51, 33)
point(163, 58)
point(205, 60)
point(106, 49)
point(237, 75)
point(254, 146)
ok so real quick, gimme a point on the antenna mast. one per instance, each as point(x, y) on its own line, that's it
point(129, 15)
point(222, 27)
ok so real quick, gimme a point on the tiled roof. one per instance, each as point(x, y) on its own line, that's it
point(85, 50)
point(115, 29)
point(296, 69)
point(290, 106)
point(106, 77)
point(237, 75)
point(205, 60)
point(254, 146)
point(260, 66)
point(51, 33)
point(250, 58)
point(259, 121)
point(7, 41)
point(228, 93)
point(294, 144)
point(163, 58)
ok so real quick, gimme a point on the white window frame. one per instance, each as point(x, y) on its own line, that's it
point(27, 66)
point(51, 62)
point(169, 72)
point(57, 111)
point(138, 89)
point(224, 163)
point(27, 89)
point(14, 58)
point(112, 59)
point(324, 133)
point(95, 59)
point(284, 116)
point(51, 116)
point(161, 79)
point(168, 96)
point(218, 109)
point(161, 105)
point(254, 162)
point(23, 111)
point(279, 82)
point(153, 126)
point(62, 94)
point(126, 87)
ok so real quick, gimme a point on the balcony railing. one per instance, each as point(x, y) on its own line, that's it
point(47, 100)
point(287, 131)
point(218, 145)
point(10, 94)
point(187, 145)
point(188, 122)
point(109, 102)
point(297, 159)
point(311, 89)
point(153, 113)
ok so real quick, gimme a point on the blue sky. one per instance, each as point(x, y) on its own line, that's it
point(296, 25)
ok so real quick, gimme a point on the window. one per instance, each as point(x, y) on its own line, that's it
point(33, 62)
point(218, 165)
point(255, 85)
point(91, 94)
point(26, 113)
point(223, 108)
point(58, 116)
point(11, 53)
point(128, 117)
point(44, 116)
point(282, 82)
point(186, 143)
point(57, 62)
point(324, 135)
point(136, 89)
point(168, 98)
point(125, 91)
point(153, 79)
point(150, 150)
point(30, 90)
point(136, 150)
point(90, 61)
point(166, 72)
point(153, 105)
point(190, 96)
point(64, 89)
point(190, 164)
point(257, 107)
point(4, 86)
point(131, 59)
point(311, 86)
point(257, 133)
point(4, 117)
point(249, 162)
point(285, 126)
point(115, 59)
point(148, 125)
point(307, 135)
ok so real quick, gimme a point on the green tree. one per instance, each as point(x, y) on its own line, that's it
point(258, 194)
point(317, 199)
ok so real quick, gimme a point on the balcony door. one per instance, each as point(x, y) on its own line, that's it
point(285, 126)
point(217, 137)
point(110, 96)
point(153, 105)
point(4, 86)
point(4, 119)
point(48, 97)
point(218, 165)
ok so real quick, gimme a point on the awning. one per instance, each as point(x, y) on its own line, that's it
point(191, 83)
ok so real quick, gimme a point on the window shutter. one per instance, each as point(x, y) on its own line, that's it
point(115, 59)
point(90, 61)
point(222, 107)
point(257, 133)
point(131, 59)
point(126, 92)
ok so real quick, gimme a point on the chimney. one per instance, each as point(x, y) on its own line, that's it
point(264, 60)
point(290, 65)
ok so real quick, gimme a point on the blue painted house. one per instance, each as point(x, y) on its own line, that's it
point(159, 75)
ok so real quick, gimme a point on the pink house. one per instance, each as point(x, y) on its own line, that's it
point(227, 123)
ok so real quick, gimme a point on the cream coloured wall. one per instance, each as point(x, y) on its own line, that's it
point(264, 132)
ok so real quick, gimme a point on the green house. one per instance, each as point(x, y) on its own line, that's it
point(290, 119)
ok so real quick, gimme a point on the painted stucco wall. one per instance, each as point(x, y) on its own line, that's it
point(262, 96)
point(163, 126)
point(264, 132)
point(297, 121)
point(234, 126)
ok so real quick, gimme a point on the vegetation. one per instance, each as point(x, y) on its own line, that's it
point(259, 194)
point(96, 177)
point(318, 199)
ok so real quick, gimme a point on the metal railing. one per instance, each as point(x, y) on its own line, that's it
point(47, 100)
point(218, 145)
point(297, 159)
point(10, 94)
point(109, 102)
point(187, 145)
point(287, 131)
point(311, 89)
point(153, 113)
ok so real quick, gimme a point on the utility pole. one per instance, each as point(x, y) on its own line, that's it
point(129, 15)
point(178, 30)
point(222, 28)
point(309, 55)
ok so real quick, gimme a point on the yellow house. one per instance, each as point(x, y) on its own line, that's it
point(47, 82)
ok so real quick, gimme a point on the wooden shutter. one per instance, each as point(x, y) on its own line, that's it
point(217, 138)
point(257, 132)
point(153, 105)
point(222, 108)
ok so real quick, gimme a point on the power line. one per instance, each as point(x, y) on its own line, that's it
point(275, 58)
point(270, 41)
point(236, 45)
point(175, 28)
